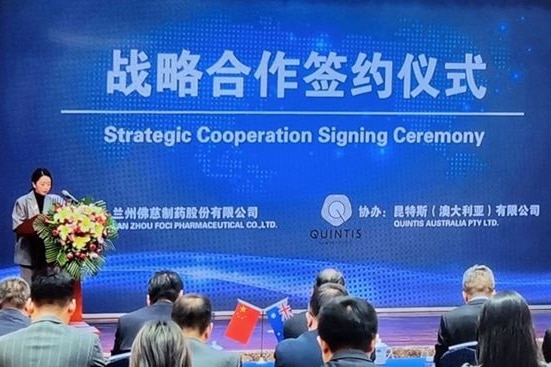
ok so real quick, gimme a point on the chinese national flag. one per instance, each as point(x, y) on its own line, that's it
point(243, 321)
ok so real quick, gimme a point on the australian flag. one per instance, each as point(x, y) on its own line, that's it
point(277, 314)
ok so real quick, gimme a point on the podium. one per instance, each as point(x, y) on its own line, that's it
point(77, 315)
point(77, 319)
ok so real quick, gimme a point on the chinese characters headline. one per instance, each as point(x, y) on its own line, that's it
point(325, 75)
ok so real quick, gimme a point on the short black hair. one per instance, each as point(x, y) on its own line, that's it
point(52, 287)
point(348, 323)
point(323, 294)
point(329, 275)
point(39, 172)
point(192, 311)
point(164, 284)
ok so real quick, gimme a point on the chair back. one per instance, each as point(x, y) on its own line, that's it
point(119, 360)
point(459, 354)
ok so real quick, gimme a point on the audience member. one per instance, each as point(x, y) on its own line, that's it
point(546, 346)
point(297, 325)
point(347, 332)
point(506, 335)
point(459, 325)
point(160, 344)
point(14, 298)
point(305, 351)
point(49, 340)
point(163, 289)
point(193, 313)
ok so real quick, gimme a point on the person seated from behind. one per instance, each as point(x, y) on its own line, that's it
point(160, 344)
point(347, 330)
point(305, 351)
point(163, 288)
point(297, 325)
point(14, 299)
point(546, 346)
point(49, 340)
point(459, 325)
point(193, 314)
point(506, 335)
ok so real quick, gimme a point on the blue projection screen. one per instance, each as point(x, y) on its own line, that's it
point(249, 144)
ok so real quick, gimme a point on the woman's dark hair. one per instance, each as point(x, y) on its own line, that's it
point(506, 335)
point(39, 172)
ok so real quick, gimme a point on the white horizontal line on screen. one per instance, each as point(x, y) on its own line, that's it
point(291, 113)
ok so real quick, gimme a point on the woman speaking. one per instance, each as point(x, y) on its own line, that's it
point(29, 251)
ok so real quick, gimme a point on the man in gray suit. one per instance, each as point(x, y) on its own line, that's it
point(14, 296)
point(193, 313)
point(49, 340)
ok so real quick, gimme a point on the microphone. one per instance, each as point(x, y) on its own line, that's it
point(68, 195)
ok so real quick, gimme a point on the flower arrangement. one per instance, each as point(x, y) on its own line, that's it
point(76, 236)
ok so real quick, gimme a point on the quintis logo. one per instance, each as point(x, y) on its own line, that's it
point(336, 210)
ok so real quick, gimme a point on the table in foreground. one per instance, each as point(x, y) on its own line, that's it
point(393, 362)
point(81, 325)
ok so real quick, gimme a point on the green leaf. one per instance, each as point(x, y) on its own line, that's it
point(62, 259)
point(108, 245)
point(74, 270)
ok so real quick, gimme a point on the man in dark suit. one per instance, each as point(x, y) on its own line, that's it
point(49, 340)
point(347, 330)
point(193, 313)
point(460, 324)
point(297, 325)
point(164, 287)
point(546, 346)
point(14, 298)
point(305, 351)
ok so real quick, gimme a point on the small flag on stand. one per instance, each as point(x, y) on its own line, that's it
point(243, 322)
point(277, 314)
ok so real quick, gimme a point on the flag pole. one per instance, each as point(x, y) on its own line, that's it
point(261, 359)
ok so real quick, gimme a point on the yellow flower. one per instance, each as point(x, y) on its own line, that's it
point(64, 231)
point(85, 224)
point(97, 231)
point(80, 242)
point(63, 214)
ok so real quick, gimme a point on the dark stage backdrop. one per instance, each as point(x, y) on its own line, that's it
point(249, 144)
